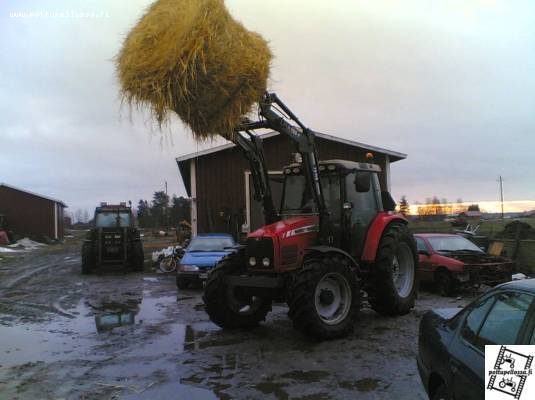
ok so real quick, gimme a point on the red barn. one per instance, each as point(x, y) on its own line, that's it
point(31, 214)
point(219, 183)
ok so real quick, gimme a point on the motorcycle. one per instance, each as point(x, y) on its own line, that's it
point(168, 259)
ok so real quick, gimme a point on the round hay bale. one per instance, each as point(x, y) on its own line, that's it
point(193, 58)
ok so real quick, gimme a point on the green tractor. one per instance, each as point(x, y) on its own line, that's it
point(112, 240)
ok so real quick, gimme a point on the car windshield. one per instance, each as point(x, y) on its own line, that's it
point(210, 244)
point(448, 244)
point(112, 219)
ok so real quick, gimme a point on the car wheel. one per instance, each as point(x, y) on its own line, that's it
point(442, 393)
point(444, 283)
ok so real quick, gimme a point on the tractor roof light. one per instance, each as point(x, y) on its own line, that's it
point(266, 262)
point(252, 261)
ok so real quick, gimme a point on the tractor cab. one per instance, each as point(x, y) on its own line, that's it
point(352, 195)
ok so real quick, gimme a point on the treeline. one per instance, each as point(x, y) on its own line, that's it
point(163, 211)
point(436, 206)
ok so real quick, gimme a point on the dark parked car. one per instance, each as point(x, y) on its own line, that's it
point(451, 346)
point(451, 261)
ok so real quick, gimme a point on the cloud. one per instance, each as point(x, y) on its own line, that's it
point(451, 84)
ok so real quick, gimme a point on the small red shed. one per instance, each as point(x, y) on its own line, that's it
point(30, 213)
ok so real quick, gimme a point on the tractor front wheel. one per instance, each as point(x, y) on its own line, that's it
point(138, 258)
point(88, 259)
point(228, 306)
point(394, 279)
point(325, 297)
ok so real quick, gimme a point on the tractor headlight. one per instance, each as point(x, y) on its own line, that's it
point(266, 261)
point(252, 261)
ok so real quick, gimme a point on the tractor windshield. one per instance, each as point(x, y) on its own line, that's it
point(112, 219)
point(297, 198)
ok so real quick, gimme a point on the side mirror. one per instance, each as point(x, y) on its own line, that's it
point(362, 182)
point(424, 253)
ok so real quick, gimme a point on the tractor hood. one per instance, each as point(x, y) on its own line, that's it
point(288, 227)
point(284, 241)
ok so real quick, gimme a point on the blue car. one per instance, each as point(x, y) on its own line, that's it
point(202, 254)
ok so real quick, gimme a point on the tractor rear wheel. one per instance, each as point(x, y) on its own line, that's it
point(229, 306)
point(394, 279)
point(325, 298)
point(88, 259)
point(137, 257)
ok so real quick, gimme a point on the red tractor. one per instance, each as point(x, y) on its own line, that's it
point(335, 241)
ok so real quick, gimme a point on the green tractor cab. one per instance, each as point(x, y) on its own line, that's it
point(112, 240)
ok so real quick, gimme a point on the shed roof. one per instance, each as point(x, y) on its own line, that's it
point(184, 166)
point(394, 155)
point(33, 194)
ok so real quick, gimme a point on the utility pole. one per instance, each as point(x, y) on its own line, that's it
point(166, 210)
point(501, 193)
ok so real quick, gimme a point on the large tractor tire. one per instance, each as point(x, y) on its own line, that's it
point(394, 277)
point(228, 306)
point(325, 298)
point(88, 259)
point(137, 257)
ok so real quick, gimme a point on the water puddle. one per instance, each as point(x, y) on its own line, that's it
point(90, 328)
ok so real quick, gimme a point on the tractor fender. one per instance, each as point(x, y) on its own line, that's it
point(328, 249)
point(375, 232)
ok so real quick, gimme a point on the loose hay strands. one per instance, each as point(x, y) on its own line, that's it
point(193, 58)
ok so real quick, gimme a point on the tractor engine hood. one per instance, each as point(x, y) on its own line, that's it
point(283, 243)
point(288, 227)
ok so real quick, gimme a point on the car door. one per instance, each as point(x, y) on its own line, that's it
point(466, 363)
point(425, 270)
point(503, 316)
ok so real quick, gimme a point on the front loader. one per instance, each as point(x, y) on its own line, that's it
point(335, 242)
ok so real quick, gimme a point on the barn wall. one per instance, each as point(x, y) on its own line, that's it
point(221, 181)
point(28, 214)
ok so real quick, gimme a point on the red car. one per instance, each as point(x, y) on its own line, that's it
point(451, 261)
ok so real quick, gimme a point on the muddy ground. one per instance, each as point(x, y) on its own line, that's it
point(131, 336)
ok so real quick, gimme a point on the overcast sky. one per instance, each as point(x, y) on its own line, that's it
point(450, 83)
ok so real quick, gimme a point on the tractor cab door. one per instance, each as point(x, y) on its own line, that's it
point(360, 209)
point(332, 193)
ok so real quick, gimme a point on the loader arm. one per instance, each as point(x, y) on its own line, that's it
point(304, 140)
point(253, 150)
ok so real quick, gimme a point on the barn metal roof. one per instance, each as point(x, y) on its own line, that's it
point(33, 194)
point(394, 155)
